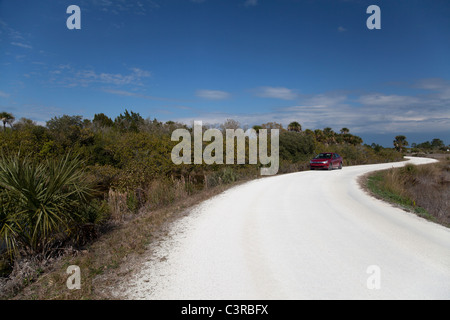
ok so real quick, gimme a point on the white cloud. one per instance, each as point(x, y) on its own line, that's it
point(378, 99)
point(22, 45)
point(13, 34)
point(368, 113)
point(68, 76)
point(141, 7)
point(326, 99)
point(341, 29)
point(135, 94)
point(432, 84)
point(407, 113)
point(440, 88)
point(251, 3)
point(4, 94)
point(213, 94)
point(309, 114)
point(276, 92)
point(38, 113)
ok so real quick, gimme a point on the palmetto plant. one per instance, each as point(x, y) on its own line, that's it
point(295, 126)
point(40, 202)
point(6, 118)
point(400, 142)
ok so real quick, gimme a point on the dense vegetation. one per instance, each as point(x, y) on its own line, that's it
point(435, 145)
point(62, 182)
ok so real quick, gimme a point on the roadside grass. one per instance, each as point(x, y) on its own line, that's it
point(423, 189)
point(378, 185)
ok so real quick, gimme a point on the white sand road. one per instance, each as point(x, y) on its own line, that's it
point(306, 235)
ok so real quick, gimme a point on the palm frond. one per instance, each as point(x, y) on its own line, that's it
point(40, 200)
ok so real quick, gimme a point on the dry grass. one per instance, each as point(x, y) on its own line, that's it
point(429, 186)
point(424, 189)
point(117, 202)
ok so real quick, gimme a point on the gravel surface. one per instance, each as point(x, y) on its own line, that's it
point(306, 235)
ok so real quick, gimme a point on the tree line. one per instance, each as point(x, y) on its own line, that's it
point(62, 181)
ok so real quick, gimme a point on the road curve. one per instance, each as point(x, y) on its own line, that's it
point(306, 235)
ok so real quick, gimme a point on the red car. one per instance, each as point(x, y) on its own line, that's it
point(327, 160)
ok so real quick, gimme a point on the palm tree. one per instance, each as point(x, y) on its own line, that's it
point(400, 142)
point(328, 132)
point(355, 140)
point(329, 135)
point(295, 126)
point(345, 130)
point(319, 135)
point(6, 118)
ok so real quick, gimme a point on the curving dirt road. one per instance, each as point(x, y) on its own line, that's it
point(306, 235)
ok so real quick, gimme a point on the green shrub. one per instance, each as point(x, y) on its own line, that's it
point(296, 146)
point(40, 202)
point(228, 175)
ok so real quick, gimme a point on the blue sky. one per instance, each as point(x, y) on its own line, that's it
point(311, 61)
